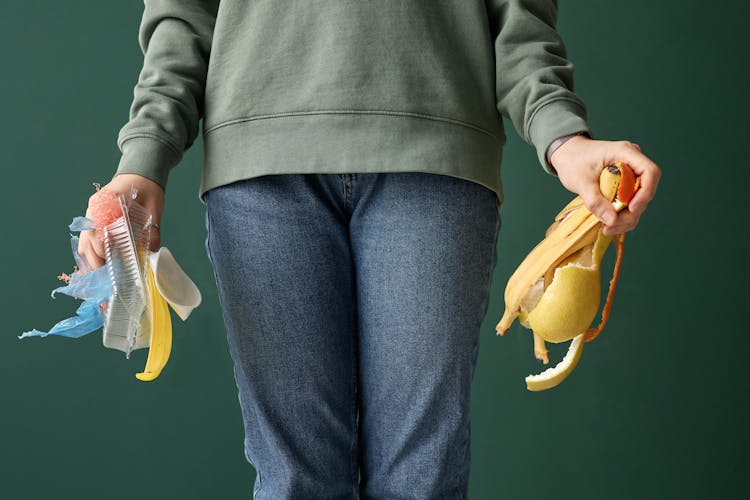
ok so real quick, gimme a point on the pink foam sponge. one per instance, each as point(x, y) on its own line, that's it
point(104, 208)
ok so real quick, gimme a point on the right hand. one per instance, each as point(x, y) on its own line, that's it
point(579, 163)
point(150, 195)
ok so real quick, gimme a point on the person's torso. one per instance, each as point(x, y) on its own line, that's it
point(427, 57)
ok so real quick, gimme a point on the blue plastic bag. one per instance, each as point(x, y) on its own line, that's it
point(92, 286)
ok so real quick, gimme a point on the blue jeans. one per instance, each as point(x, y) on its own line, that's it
point(353, 305)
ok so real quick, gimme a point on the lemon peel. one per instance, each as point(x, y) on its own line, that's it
point(552, 377)
point(569, 304)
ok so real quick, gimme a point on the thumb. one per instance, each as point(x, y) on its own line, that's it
point(598, 204)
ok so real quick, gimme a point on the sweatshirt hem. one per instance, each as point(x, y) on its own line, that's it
point(349, 141)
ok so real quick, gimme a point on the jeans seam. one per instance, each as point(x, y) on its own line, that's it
point(347, 181)
point(465, 447)
point(354, 450)
point(487, 283)
point(258, 478)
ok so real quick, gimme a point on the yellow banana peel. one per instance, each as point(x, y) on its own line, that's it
point(160, 345)
point(167, 285)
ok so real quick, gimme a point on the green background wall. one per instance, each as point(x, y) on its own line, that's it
point(657, 407)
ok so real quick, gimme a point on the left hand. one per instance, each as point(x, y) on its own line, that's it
point(579, 163)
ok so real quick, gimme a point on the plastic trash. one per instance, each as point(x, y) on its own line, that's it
point(126, 241)
point(129, 297)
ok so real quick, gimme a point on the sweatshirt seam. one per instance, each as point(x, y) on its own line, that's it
point(150, 136)
point(527, 131)
point(404, 114)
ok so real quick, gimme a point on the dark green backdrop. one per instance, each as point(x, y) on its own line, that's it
point(656, 408)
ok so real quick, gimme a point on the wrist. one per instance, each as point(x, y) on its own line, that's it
point(557, 143)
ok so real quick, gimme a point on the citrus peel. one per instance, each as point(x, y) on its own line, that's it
point(552, 376)
point(556, 291)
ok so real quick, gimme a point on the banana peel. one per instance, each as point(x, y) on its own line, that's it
point(167, 286)
point(160, 344)
point(556, 290)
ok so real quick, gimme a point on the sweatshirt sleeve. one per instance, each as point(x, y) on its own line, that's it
point(534, 79)
point(175, 37)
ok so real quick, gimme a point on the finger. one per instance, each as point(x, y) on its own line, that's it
point(598, 204)
point(631, 154)
point(626, 221)
point(82, 243)
point(645, 168)
point(92, 258)
point(87, 250)
point(97, 245)
point(646, 191)
point(613, 230)
point(154, 238)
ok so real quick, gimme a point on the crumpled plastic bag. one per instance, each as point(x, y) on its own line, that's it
point(91, 285)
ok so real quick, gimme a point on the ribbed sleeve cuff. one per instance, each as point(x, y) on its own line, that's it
point(553, 120)
point(148, 156)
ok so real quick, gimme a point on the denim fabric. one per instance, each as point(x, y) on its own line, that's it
point(352, 305)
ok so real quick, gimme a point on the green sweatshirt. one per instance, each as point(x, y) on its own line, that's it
point(346, 86)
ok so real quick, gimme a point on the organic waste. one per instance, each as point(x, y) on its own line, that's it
point(556, 290)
